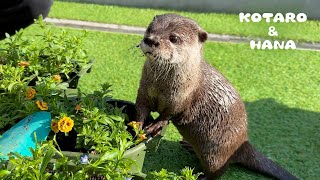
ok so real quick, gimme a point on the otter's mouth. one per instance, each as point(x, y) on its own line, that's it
point(148, 51)
point(149, 54)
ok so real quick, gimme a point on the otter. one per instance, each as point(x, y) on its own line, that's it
point(202, 104)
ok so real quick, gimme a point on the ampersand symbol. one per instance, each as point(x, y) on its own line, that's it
point(272, 31)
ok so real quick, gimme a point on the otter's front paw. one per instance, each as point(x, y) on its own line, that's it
point(154, 129)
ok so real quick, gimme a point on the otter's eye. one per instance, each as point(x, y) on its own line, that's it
point(173, 38)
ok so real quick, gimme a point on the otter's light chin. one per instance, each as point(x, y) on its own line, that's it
point(150, 56)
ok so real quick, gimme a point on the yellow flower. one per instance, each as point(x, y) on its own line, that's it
point(24, 63)
point(65, 124)
point(30, 93)
point(142, 137)
point(77, 108)
point(56, 78)
point(54, 126)
point(134, 124)
point(42, 105)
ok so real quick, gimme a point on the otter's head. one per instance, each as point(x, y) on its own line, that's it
point(171, 38)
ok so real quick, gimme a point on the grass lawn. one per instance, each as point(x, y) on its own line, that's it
point(211, 22)
point(280, 89)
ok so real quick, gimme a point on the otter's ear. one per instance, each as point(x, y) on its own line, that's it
point(203, 36)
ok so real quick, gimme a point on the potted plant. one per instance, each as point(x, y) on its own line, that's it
point(136, 152)
point(98, 123)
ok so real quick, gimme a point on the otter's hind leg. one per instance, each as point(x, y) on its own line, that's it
point(214, 165)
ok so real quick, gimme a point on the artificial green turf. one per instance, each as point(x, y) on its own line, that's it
point(211, 22)
point(280, 89)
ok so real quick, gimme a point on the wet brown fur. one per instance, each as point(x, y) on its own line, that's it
point(200, 101)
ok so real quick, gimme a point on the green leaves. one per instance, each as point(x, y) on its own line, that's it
point(46, 54)
point(109, 155)
point(186, 174)
point(46, 159)
point(4, 173)
point(100, 124)
point(34, 168)
point(10, 77)
point(110, 164)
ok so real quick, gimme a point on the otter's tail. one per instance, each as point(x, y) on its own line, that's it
point(252, 159)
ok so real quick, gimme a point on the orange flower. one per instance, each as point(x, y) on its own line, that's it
point(42, 105)
point(56, 78)
point(134, 124)
point(30, 93)
point(142, 137)
point(78, 108)
point(54, 126)
point(24, 63)
point(65, 124)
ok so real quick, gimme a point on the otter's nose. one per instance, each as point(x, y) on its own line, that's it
point(151, 42)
